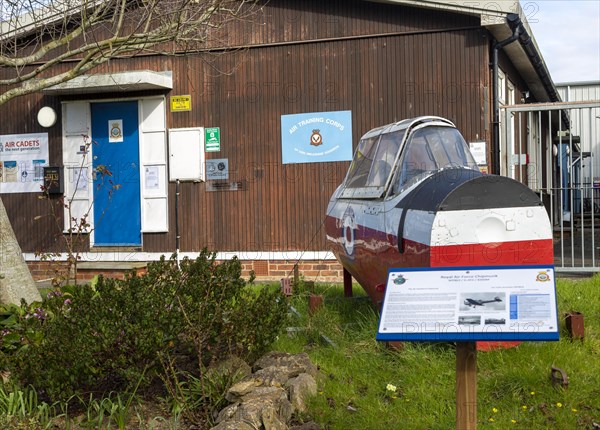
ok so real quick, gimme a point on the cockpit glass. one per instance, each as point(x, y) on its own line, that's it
point(361, 164)
point(373, 161)
point(387, 150)
point(430, 149)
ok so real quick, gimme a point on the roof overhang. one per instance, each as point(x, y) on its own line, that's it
point(40, 14)
point(490, 12)
point(139, 80)
point(519, 58)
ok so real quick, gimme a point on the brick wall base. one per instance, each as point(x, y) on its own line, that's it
point(328, 271)
point(324, 271)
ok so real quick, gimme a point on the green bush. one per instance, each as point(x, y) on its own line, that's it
point(108, 336)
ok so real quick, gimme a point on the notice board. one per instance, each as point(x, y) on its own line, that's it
point(22, 161)
point(186, 154)
point(508, 303)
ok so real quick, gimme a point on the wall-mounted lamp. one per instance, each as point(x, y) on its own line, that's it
point(46, 117)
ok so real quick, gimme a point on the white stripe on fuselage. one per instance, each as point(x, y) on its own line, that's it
point(490, 226)
point(455, 227)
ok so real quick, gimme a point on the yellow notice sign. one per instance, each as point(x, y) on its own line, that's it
point(181, 103)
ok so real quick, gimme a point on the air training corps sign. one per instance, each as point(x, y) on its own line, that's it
point(470, 304)
point(316, 137)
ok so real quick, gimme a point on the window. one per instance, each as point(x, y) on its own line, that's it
point(373, 161)
point(383, 161)
point(430, 149)
point(501, 87)
point(361, 164)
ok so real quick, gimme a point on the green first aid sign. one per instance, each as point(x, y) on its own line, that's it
point(212, 139)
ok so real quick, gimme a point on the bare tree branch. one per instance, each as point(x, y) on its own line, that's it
point(38, 37)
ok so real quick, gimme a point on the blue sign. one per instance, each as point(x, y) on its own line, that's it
point(501, 303)
point(316, 137)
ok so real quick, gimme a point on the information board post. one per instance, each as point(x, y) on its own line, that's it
point(466, 385)
point(466, 305)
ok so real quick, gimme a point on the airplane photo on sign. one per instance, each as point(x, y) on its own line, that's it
point(474, 302)
point(483, 302)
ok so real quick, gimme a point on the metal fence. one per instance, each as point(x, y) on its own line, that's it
point(553, 149)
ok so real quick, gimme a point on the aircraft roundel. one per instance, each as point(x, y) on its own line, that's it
point(348, 228)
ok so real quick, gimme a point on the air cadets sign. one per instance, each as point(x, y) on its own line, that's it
point(22, 161)
point(316, 137)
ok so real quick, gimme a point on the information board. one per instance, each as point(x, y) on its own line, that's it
point(470, 304)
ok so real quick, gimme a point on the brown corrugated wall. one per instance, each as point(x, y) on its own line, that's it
point(382, 62)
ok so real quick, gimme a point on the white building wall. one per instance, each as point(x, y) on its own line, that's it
point(585, 123)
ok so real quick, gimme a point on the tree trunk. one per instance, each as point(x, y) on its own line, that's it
point(16, 282)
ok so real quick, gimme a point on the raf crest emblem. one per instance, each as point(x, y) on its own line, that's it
point(315, 138)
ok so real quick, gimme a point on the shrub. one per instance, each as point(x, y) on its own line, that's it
point(222, 318)
point(20, 326)
point(108, 336)
point(96, 338)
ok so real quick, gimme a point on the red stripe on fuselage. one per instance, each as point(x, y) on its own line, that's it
point(517, 253)
point(375, 252)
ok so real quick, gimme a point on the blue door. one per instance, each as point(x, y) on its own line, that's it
point(116, 164)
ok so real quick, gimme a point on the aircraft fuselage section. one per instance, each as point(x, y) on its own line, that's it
point(413, 197)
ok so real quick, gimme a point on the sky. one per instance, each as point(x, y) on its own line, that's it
point(568, 36)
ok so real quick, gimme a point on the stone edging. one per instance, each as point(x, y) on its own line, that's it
point(267, 398)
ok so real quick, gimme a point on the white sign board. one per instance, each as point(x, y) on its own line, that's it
point(22, 161)
point(479, 152)
point(470, 304)
point(186, 154)
point(151, 178)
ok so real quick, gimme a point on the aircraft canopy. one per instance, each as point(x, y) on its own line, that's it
point(388, 158)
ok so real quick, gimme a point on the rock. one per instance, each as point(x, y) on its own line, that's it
point(231, 367)
point(239, 389)
point(300, 389)
point(272, 376)
point(275, 397)
point(266, 408)
point(266, 394)
point(267, 398)
point(233, 425)
point(227, 413)
point(267, 377)
point(271, 419)
point(295, 363)
point(249, 414)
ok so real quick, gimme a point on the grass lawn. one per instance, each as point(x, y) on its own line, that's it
point(514, 385)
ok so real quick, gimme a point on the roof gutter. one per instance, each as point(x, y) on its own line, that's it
point(528, 46)
point(526, 42)
point(519, 32)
